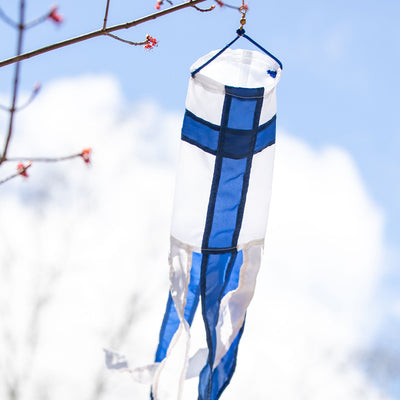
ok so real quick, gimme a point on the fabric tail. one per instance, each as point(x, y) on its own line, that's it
point(224, 313)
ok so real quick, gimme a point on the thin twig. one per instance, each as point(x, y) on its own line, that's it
point(204, 9)
point(230, 6)
point(16, 79)
point(127, 41)
point(223, 4)
point(37, 21)
point(9, 178)
point(43, 159)
point(106, 14)
point(99, 32)
point(19, 172)
point(32, 97)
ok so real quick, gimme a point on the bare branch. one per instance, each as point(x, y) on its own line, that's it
point(127, 41)
point(42, 159)
point(223, 4)
point(106, 14)
point(37, 21)
point(47, 159)
point(21, 168)
point(100, 32)
point(204, 9)
point(16, 79)
point(32, 97)
point(20, 171)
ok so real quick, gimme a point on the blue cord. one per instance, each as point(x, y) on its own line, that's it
point(214, 57)
point(240, 33)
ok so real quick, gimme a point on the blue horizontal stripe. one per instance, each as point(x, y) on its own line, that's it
point(205, 135)
point(266, 135)
point(197, 131)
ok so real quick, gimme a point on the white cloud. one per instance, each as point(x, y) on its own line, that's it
point(313, 300)
point(103, 232)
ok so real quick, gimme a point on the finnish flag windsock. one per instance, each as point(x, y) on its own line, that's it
point(219, 220)
point(220, 216)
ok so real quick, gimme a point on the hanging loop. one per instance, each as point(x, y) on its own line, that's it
point(241, 33)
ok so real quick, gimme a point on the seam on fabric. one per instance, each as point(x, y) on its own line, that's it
point(219, 250)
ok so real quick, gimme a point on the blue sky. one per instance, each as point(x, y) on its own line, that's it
point(339, 86)
point(340, 68)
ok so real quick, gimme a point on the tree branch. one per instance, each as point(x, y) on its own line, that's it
point(106, 14)
point(44, 159)
point(204, 9)
point(127, 41)
point(16, 79)
point(21, 171)
point(100, 32)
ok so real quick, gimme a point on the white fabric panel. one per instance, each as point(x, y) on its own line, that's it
point(169, 377)
point(205, 99)
point(192, 193)
point(197, 363)
point(145, 374)
point(234, 304)
point(268, 109)
point(239, 68)
point(255, 215)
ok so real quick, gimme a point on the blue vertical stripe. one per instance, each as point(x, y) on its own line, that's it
point(220, 272)
point(241, 115)
point(227, 203)
point(224, 371)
